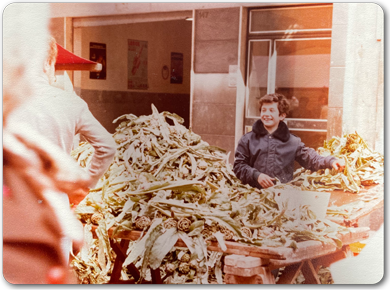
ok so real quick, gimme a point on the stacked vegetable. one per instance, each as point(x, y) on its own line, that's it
point(363, 166)
point(168, 183)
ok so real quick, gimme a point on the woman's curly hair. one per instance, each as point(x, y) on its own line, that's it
point(283, 105)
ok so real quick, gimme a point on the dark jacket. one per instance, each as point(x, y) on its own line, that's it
point(274, 154)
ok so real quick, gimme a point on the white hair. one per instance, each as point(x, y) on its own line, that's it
point(25, 48)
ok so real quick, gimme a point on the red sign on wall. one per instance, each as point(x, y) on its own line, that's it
point(137, 64)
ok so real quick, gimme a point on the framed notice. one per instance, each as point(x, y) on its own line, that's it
point(97, 53)
point(137, 64)
point(176, 68)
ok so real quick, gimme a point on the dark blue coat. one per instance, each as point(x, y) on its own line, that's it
point(274, 154)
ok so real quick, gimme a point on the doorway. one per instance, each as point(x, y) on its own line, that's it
point(162, 74)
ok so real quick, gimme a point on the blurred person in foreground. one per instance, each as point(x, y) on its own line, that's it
point(32, 167)
point(60, 115)
point(38, 129)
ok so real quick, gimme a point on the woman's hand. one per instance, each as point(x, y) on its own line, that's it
point(265, 181)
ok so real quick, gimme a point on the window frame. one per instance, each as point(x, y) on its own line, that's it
point(307, 6)
point(272, 36)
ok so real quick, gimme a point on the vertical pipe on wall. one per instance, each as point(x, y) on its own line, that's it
point(192, 67)
point(241, 71)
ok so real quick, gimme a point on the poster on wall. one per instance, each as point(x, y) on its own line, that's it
point(97, 53)
point(176, 68)
point(137, 64)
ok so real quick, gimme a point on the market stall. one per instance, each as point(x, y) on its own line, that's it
point(308, 257)
point(170, 210)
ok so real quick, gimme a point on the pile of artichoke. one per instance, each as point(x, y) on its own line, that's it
point(168, 183)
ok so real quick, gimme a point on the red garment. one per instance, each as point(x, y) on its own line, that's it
point(31, 231)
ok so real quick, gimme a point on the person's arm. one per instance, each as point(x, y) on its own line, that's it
point(241, 167)
point(310, 159)
point(101, 140)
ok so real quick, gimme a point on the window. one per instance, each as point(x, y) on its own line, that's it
point(258, 72)
point(302, 74)
point(289, 53)
point(303, 18)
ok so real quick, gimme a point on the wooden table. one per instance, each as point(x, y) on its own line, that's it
point(308, 257)
point(371, 215)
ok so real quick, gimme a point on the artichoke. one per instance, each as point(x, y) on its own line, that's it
point(142, 222)
point(184, 268)
point(184, 224)
point(96, 217)
point(193, 264)
point(207, 234)
point(170, 223)
point(185, 258)
point(246, 232)
point(169, 267)
point(227, 234)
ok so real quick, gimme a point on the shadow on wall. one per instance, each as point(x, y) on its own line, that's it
point(106, 106)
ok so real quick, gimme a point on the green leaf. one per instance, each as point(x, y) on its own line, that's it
point(193, 163)
point(227, 221)
point(140, 245)
point(219, 236)
point(173, 117)
point(128, 206)
point(188, 241)
point(84, 209)
point(218, 272)
point(195, 232)
point(104, 246)
point(162, 246)
point(154, 235)
point(218, 198)
point(174, 185)
point(196, 228)
point(200, 247)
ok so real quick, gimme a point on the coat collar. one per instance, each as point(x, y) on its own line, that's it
point(282, 132)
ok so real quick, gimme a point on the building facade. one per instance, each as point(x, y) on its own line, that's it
point(211, 62)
